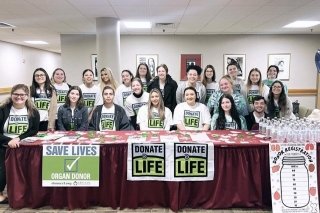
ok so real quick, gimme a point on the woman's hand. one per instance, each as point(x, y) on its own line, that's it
point(14, 143)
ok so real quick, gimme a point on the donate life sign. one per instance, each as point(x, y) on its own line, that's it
point(70, 165)
point(170, 161)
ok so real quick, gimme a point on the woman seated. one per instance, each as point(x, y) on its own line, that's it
point(279, 104)
point(154, 115)
point(73, 115)
point(109, 116)
point(227, 116)
point(226, 87)
point(19, 119)
point(137, 99)
point(191, 115)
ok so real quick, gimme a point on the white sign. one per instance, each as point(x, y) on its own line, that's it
point(293, 174)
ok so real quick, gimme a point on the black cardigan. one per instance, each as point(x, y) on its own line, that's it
point(31, 131)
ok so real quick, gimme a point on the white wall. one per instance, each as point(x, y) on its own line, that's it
point(77, 50)
point(17, 64)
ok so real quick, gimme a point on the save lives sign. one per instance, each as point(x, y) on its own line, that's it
point(70, 165)
point(170, 161)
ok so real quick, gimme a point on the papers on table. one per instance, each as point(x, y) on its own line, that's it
point(136, 138)
point(169, 138)
point(65, 139)
point(199, 137)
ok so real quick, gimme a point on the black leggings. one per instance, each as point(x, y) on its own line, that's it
point(2, 168)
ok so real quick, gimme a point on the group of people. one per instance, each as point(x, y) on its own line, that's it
point(140, 103)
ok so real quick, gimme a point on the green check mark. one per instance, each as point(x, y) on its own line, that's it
point(69, 167)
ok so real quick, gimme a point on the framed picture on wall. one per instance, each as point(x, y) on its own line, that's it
point(94, 60)
point(187, 60)
point(151, 60)
point(239, 60)
point(282, 60)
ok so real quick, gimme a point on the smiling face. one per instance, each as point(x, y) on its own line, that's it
point(162, 73)
point(74, 96)
point(255, 77)
point(190, 97)
point(105, 77)
point(192, 76)
point(108, 96)
point(19, 98)
point(272, 73)
point(226, 104)
point(88, 77)
point(154, 98)
point(40, 77)
point(225, 86)
point(259, 106)
point(232, 71)
point(59, 77)
point(209, 73)
point(136, 87)
point(276, 88)
point(143, 70)
point(126, 78)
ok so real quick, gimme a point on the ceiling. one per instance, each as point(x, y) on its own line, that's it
point(46, 19)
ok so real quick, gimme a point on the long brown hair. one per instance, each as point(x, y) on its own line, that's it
point(29, 104)
point(249, 82)
point(161, 107)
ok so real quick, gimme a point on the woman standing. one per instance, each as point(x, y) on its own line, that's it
point(279, 104)
point(44, 96)
point(154, 115)
point(168, 87)
point(107, 79)
point(58, 80)
point(137, 99)
point(191, 115)
point(208, 79)
point(193, 73)
point(226, 87)
point(255, 87)
point(143, 73)
point(91, 93)
point(73, 115)
point(124, 90)
point(227, 116)
point(272, 75)
point(238, 84)
point(19, 119)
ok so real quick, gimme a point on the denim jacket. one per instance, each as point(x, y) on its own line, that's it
point(80, 118)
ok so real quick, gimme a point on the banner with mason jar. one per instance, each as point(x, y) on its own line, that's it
point(293, 174)
point(170, 161)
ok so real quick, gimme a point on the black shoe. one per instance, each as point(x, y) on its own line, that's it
point(5, 201)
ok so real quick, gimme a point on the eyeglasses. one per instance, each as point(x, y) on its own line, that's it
point(39, 76)
point(19, 95)
point(276, 87)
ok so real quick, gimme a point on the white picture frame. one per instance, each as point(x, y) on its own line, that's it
point(239, 60)
point(282, 60)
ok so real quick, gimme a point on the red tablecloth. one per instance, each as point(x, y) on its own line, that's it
point(241, 179)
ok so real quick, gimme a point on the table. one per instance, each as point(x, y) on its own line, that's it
point(242, 177)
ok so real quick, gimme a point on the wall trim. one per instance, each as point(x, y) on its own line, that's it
point(302, 92)
point(5, 90)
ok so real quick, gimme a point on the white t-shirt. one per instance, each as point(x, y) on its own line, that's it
point(121, 94)
point(210, 89)
point(17, 123)
point(192, 117)
point(154, 123)
point(62, 90)
point(92, 96)
point(42, 104)
point(107, 119)
point(133, 104)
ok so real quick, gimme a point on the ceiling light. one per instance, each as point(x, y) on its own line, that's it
point(302, 24)
point(36, 42)
point(137, 24)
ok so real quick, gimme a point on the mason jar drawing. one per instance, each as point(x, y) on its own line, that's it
point(294, 180)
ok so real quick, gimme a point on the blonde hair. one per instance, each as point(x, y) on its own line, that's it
point(161, 107)
point(112, 82)
point(29, 104)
